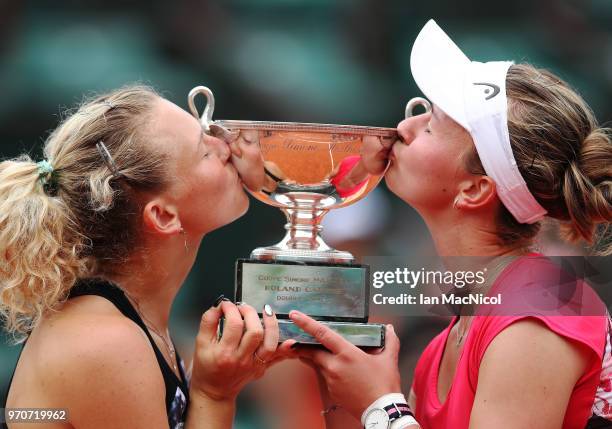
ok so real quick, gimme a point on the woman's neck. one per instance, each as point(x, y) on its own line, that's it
point(154, 276)
point(471, 244)
point(455, 235)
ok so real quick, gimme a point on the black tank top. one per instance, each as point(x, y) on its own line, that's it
point(177, 390)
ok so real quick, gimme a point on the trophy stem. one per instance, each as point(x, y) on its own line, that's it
point(302, 240)
point(303, 227)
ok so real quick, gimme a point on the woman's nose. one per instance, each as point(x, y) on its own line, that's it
point(406, 130)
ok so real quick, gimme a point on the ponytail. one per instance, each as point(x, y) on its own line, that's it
point(39, 248)
point(73, 217)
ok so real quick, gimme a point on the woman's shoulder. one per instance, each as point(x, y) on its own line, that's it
point(84, 325)
point(528, 365)
point(585, 331)
point(551, 291)
point(93, 360)
point(86, 343)
point(551, 285)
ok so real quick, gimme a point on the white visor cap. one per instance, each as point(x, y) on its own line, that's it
point(474, 95)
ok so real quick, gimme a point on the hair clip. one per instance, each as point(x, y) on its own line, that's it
point(108, 159)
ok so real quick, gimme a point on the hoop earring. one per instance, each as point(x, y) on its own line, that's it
point(184, 234)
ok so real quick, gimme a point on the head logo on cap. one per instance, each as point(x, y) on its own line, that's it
point(491, 91)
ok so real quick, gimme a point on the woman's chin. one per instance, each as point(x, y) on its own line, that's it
point(241, 207)
point(233, 212)
point(401, 192)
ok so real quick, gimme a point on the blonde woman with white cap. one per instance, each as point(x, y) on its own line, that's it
point(502, 147)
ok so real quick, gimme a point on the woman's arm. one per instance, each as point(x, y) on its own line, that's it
point(526, 376)
point(223, 366)
point(335, 417)
point(354, 379)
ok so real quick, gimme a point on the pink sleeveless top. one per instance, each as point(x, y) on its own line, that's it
point(591, 398)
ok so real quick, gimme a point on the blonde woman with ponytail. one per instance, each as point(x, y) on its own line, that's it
point(95, 242)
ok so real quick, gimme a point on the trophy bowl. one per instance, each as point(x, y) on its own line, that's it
point(305, 170)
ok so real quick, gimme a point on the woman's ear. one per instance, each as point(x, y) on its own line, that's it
point(475, 193)
point(161, 218)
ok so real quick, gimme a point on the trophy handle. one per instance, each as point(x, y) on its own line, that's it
point(417, 101)
point(206, 118)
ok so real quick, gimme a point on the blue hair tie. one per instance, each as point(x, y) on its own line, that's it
point(47, 176)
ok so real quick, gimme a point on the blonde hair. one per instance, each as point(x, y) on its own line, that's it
point(88, 223)
point(562, 153)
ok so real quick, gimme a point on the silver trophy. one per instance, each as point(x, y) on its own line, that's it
point(305, 170)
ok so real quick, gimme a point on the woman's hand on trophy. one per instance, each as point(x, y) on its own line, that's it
point(353, 377)
point(375, 154)
point(222, 366)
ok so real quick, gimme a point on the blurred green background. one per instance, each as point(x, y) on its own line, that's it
point(342, 61)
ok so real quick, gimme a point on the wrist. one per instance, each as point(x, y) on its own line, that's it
point(200, 396)
point(405, 422)
point(208, 411)
point(391, 402)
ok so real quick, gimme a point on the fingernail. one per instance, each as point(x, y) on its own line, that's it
point(268, 310)
point(218, 300)
point(294, 314)
point(240, 302)
point(294, 345)
point(391, 327)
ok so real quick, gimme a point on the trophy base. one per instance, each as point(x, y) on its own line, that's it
point(367, 335)
point(364, 335)
point(336, 295)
